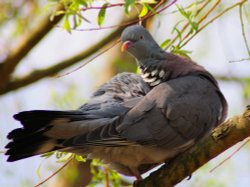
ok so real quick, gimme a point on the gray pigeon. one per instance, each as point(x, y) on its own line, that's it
point(133, 122)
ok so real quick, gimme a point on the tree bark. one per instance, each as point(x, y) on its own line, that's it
point(36, 75)
point(221, 138)
point(25, 46)
point(10, 83)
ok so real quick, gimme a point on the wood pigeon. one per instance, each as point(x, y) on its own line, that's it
point(132, 122)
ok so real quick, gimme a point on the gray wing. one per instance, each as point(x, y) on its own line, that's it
point(174, 113)
point(170, 115)
point(107, 103)
point(111, 101)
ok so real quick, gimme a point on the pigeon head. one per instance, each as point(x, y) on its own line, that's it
point(139, 43)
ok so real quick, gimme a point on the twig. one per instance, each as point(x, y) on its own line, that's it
point(133, 21)
point(106, 170)
point(209, 11)
point(240, 60)
point(24, 47)
point(52, 70)
point(163, 8)
point(187, 24)
point(213, 19)
point(115, 43)
point(100, 7)
point(53, 174)
point(230, 156)
point(200, 20)
point(91, 59)
point(243, 30)
point(187, 7)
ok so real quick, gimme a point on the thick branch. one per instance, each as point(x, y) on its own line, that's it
point(223, 137)
point(29, 41)
point(59, 66)
point(50, 71)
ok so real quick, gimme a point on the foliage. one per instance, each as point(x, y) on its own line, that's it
point(195, 16)
point(75, 10)
point(101, 174)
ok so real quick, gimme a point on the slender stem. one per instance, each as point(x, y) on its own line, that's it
point(100, 7)
point(53, 174)
point(239, 60)
point(209, 11)
point(187, 24)
point(243, 30)
point(133, 21)
point(106, 170)
point(230, 156)
point(210, 21)
point(30, 39)
point(200, 20)
point(115, 43)
point(36, 75)
point(91, 59)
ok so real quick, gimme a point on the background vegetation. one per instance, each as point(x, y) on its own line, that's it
point(44, 44)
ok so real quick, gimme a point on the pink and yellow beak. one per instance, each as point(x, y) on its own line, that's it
point(126, 45)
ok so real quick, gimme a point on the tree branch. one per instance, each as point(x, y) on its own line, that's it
point(59, 66)
point(24, 47)
point(223, 137)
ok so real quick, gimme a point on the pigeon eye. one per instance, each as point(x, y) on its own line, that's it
point(141, 37)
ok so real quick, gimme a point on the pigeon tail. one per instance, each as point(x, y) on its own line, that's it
point(39, 133)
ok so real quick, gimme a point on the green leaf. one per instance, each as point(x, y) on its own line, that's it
point(66, 24)
point(96, 162)
point(137, 71)
point(80, 158)
point(128, 5)
point(101, 15)
point(177, 50)
point(38, 170)
point(47, 155)
point(60, 12)
point(65, 158)
point(176, 25)
point(148, 1)
point(246, 91)
point(182, 11)
point(59, 154)
point(114, 178)
point(150, 8)
point(144, 11)
point(194, 25)
point(165, 43)
point(179, 33)
point(186, 14)
point(82, 2)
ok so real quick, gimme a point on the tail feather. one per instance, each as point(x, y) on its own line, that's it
point(32, 145)
point(34, 137)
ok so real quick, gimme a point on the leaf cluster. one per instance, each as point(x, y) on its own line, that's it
point(75, 10)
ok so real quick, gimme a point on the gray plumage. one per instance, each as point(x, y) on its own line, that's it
point(133, 122)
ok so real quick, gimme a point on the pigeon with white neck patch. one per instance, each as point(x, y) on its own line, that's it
point(133, 122)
